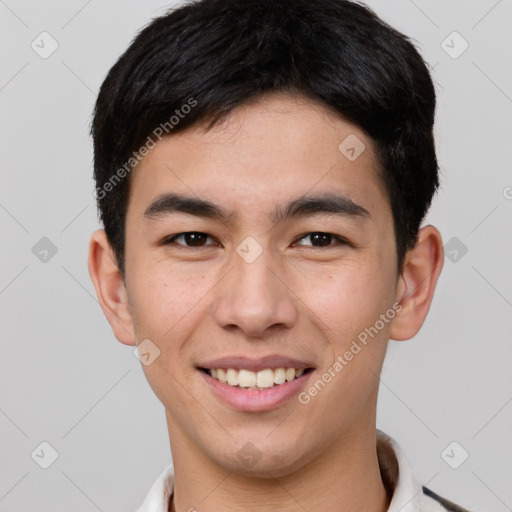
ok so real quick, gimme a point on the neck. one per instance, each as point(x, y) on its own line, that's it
point(345, 476)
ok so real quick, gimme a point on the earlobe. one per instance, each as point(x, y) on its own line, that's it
point(417, 283)
point(110, 287)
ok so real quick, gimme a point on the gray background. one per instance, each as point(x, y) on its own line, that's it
point(67, 381)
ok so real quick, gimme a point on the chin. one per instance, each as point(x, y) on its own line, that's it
point(273, 460)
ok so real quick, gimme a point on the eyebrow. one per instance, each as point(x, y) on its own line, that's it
point(329, 203)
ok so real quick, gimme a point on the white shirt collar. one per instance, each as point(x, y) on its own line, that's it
point(407, 495)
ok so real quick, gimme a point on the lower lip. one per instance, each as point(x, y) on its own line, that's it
point(256, 400)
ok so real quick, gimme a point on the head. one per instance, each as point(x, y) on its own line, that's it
point(293, 142)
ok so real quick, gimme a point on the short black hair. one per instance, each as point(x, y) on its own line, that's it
point(198, 62)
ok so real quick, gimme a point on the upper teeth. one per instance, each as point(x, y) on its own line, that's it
point(262, 379)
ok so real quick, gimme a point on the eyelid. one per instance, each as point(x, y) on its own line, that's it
point(172, 240)
point(341, 240)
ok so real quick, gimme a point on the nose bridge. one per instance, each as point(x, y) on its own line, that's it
point(253, 298)
point(255, 280)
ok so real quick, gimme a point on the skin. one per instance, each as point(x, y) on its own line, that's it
point(296, 299)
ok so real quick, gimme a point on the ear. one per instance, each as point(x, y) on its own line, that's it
point(417, 283)
point(110, 288)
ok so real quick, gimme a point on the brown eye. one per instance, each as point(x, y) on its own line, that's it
point(320, 239)
point(190, 239)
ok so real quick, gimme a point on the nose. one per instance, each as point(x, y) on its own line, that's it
point(254, 298)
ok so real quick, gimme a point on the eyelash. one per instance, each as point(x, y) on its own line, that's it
point(340, 240)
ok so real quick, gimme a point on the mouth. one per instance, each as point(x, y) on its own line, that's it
point(258, 389)
point(245, 379)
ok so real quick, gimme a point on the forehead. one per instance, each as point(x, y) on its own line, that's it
point(265, 152)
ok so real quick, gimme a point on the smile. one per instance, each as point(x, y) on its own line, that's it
point(263, 379)
point(255, 391)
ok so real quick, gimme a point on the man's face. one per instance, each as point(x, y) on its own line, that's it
point(302, 285)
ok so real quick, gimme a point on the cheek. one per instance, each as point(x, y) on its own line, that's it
point(164, 302)
point(347, 300)
point(167, 307)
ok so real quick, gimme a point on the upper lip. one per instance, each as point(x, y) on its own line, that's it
point(255, 365)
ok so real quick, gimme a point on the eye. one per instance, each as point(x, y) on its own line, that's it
point(319, 239)
point(190, 239)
